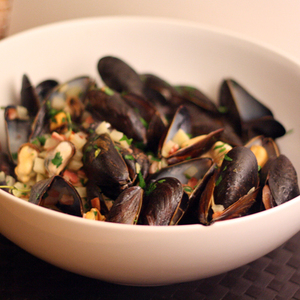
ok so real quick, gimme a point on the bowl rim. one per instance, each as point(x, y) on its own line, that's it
point(150, 20)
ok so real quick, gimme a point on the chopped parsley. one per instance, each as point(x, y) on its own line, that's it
point(57, 160)
point(187, 189)
point(219, 180)
point(142, 182)
point(144, 122)
point(125, 138)
point(226, 157)
point(223, 109)
point(151, 187)
point(129, 157)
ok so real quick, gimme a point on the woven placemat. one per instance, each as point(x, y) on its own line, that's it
point(274, 276)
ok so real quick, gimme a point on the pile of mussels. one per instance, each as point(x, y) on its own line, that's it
point(141, 151)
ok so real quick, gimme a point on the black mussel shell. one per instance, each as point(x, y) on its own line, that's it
point(105, 166)
point(127, 206)
point(57, 194)
point(162, 199)
point(119, 76)
point(238, 175)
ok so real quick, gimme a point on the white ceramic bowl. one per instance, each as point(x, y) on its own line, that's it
point(181, 53)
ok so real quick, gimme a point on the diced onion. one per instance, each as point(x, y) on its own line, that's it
point(180, 137)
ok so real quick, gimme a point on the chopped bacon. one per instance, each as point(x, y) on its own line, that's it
point(95, 203)
point(57, 136)
point(71, 176)
point(192, 182)
point(89, 120)
point(174, 148)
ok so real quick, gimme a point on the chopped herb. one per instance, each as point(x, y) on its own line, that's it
point(219, 146)
point(42, 140)
point(226, 157)
point(223, 109)
point(57, 160)
point(188, 158)
point(140, 145)
point(125, 138)
point(129, 157)
point(95, 147)
point(117, 148)
point(14, 156)
point(35, 142)
point(90, 130)
point(144, 122)
point(95, 213)
point(219, 180)
point(155, 158)
point(142, 182)
point(161, 181)
point(225, 168)
point(189, 135)
point(97, 152)
point(108, 91)
point(187, 189)
point(259, 168)
point(151, 187)
point(136, 110)
point(222, 150)
point(187, 176)
point(289, 131)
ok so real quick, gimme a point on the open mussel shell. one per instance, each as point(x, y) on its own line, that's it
point(58, 158)
point(181, 120)
point(162, 201)
point(17, 130)
point(105, 166)
point(119, 76)
point(57, 194)
point(45, 87)
point(242, 109)
point(70, 96)
point(127, 206)
point(281, 184)
point(184, 171)
point(112, 108)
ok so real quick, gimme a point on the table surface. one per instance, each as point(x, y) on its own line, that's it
point(274, 276)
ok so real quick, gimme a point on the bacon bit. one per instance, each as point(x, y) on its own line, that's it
point(174, 149)
point(81, 174)
point(57, 136)
point(217, 214)
point(89, 120)
point(95, 203)
point(71, 176)
point(12, 113)
point(192, 182)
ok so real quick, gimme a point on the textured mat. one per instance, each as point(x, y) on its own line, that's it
point(274, 276)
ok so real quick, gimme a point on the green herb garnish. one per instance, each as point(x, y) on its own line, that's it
point(129, 157)
point(226, 157)
point(144, 122)
point(142, 182)
point(223, 109)
point(219, 180)
point(187, 189)
point(151, 187)
point(57, 160)
point(125, 138)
